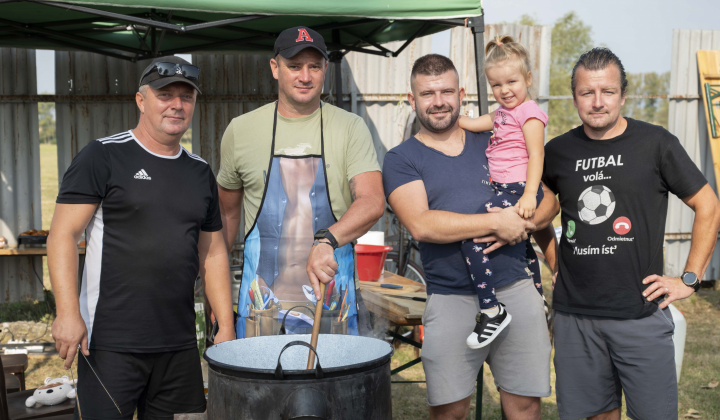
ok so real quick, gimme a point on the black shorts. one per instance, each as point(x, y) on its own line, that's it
point(158, 385)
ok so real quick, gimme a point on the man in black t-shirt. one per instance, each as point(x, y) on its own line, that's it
point(613, 330)
point(152, 221)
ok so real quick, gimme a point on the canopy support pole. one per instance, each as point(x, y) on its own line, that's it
point(336, 59)
point(477, 26)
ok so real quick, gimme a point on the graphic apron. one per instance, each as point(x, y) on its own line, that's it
point(275, 287)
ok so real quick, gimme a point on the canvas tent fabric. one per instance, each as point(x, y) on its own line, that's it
point(139, 29)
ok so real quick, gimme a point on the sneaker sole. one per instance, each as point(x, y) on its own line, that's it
point(473, 342)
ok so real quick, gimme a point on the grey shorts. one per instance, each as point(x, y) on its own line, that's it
point(519, 358)
point(597, 358)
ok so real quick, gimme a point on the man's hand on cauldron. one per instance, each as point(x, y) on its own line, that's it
point(68, 332)
point(321, 266)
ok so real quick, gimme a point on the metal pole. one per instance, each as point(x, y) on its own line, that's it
point(477, 26)
point(336, 59)
point(478, 394)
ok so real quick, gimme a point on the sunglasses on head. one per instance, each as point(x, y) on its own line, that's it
point(166, 69)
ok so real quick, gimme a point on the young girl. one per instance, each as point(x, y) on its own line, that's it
point(515, 157)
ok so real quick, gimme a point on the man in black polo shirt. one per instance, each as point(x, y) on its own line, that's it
point(150, 212)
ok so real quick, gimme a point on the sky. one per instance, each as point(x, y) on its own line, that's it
point(638, 31)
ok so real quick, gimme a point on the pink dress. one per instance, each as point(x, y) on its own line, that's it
point(507, 153)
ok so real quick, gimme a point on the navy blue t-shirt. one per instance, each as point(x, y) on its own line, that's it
point(458, 184)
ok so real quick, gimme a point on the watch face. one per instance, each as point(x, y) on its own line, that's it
point(689, 278)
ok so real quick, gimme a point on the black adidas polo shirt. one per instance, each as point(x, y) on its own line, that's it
point(142, 243)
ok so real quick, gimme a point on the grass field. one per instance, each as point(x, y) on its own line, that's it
point(701, 364)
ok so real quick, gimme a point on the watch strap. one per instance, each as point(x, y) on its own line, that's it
point(695, 285)
point(319, 241)
point(326, 234)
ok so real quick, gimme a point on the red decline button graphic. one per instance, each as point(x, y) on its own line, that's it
point(622, 225)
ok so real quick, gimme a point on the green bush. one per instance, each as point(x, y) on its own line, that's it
point(36, 311)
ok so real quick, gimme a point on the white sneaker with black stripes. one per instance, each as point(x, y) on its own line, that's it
point(487, 329)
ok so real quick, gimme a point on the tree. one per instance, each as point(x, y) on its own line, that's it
point(570, 38)
point(528, 20)
point(46, 121)
point(652, 110)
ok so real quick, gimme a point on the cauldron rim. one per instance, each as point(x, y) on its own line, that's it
point(295, 374)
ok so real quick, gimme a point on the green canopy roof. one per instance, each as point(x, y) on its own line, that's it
point(138, 29)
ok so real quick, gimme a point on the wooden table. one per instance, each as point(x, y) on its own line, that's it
point(400, 307)
point(385, 302)
point(16, 364)
point(32, 252)
point(28, 251)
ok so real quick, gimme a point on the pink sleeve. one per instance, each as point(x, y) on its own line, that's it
point(531, 110)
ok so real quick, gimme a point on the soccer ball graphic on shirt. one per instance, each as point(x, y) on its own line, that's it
point(596, 204)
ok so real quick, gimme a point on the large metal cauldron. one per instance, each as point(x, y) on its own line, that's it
point(266, 378)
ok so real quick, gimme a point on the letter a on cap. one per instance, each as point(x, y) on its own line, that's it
point(303, 35)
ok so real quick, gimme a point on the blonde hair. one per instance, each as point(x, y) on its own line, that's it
point(503, 48)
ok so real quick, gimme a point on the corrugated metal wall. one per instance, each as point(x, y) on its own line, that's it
point(95, 99)
point(110, 82)
point(378, 88)
point(687, 122)
point(536, 39)
point(20, 277)
point(232, 84)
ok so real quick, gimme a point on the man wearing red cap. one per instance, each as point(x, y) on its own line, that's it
point(150, 212)
point(303, 171)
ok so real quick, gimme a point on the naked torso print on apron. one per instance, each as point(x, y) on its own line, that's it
point(275, 285)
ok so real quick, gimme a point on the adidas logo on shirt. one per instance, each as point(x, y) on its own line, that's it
point(142, 175)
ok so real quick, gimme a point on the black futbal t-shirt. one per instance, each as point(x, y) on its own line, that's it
point(614, 197)
point(142, 242)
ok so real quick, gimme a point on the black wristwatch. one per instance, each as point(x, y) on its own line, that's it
point(325, 234)
point(690, 279)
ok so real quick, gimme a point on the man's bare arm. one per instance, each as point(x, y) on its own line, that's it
point(548, 208)
point(704, 236)
point(68, 330)
point(410, 204)
point(230, 206)
point(705, 228)
point(544, 215)
point(215, 272)
point(547, 242)
point(366, 209)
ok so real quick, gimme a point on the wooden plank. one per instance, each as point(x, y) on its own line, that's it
point(709, 63)
point(392, 305)
point(409, 290)
point(29, 251)
point(17, 409)
point(382, 301)
point(380, 310)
